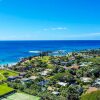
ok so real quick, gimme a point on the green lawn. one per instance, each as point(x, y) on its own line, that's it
point(2, 77)
point(5, 89)
point(45, 58)
point(21, 96)
point(91, 96)
point(10, 73)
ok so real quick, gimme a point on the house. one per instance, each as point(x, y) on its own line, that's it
point(32, 77)
point(56, 62)
point(75, 67)
point(30, 67)
point(25, 80)
point(50, 88)
point(55, 92)
point(71, 58)
point(97, 82)
point(11, 78)
point(21, 68)
point(43, 88)
point(80, 90)
point(86, 79)
point(64, 63)
point(90, 63)
point(22, 74)
point(45, 72)
point(84, 64)
point(62, 83)
point(27, 68)
point(42, 83)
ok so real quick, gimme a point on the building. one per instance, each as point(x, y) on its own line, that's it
point(64, 63)
point(42, 83)
point(25, 80)
point(45, 72)
point(62, 83)
point(86, 79)
point(50, 88)
point(22, 74)
point(97, 82)
point(11, 78)
point(55, 92)
point(32, 77)
point(75, 67)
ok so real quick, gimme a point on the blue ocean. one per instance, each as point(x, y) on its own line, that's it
point(12, 51)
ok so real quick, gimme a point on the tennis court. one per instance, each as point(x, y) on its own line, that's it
point(21, 96)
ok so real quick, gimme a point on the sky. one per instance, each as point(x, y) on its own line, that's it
point(49, 19)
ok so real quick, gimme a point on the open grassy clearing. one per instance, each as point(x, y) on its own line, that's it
point(5, 89)
point(10, 73)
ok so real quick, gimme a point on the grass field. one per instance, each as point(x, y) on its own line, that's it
point(2, 77)
point(10, 73)
point(21, 96)
point(45, 58)
point(5, 89)
point(91, 96)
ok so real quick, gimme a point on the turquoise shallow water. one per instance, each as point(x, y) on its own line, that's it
point(12, 51)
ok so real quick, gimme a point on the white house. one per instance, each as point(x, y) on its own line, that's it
point(62, 83)
point(86, 79)
point(33, 77)
point(55, 92)
point(84, 64)
point(45, 72)
point(97, 81)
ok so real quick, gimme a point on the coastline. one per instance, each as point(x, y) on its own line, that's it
point(57, 70)
point(12, 51)
point(52, 53)
point(8, 64)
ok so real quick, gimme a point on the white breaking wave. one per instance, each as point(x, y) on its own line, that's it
point(59, 51)
point(34, 51)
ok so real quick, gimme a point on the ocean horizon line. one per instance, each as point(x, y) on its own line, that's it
point(49, 40)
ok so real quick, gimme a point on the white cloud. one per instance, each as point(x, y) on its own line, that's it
point(59, 28)
point(55, 28)
point(95, 34)
point(85, 36)
point(89, 35)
